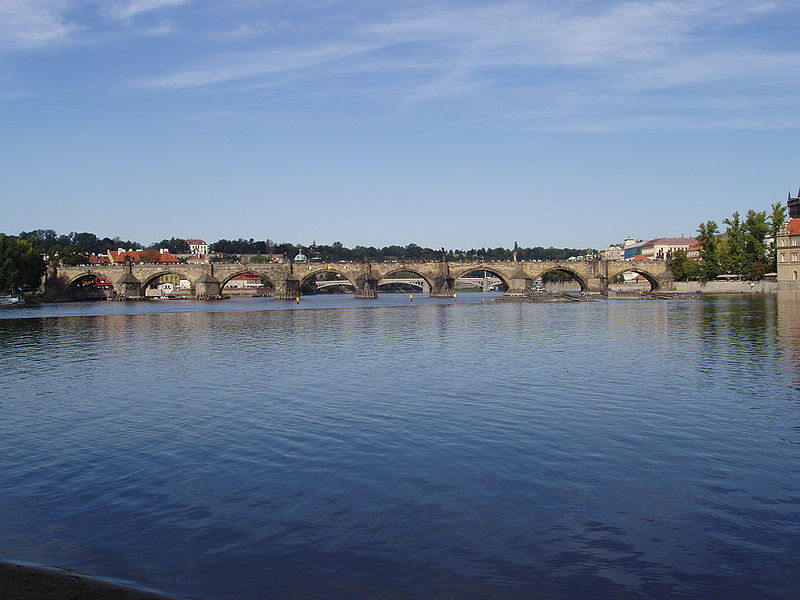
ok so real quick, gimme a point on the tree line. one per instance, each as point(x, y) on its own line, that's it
point(73, 248)
point(747, 247)
point(338, 251)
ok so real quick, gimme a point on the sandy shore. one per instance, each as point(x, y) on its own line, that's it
point(23, 582)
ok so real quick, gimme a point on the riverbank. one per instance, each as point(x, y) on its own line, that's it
point(26, 582)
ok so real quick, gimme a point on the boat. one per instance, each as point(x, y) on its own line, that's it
point(11, 301)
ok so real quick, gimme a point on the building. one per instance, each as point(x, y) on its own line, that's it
point(694, 251)
point(246, 281)
point(198, 247)
point(632, 250)
point(613, 252)
point(152, 256)
point(663, 248)
point(788, 247)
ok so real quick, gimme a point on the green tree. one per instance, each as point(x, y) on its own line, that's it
point(776, 220)
point(709, 253)
point(174, 245)
point(21, 265)
point(756, 228)
point(735, 259)
point(683, 267)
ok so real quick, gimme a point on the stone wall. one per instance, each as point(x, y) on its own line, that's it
point(726, 287)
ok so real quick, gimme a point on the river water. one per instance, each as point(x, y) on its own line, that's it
point(253, 449)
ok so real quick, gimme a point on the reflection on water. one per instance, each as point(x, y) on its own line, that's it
point(626, 449)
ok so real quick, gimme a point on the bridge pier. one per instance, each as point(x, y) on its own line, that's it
point(208, 287)
point(54, 286)
point(519, 284)
point(443, 287)
point(597, 285)
point(127, 286)
point(366, 287)
point(288, 289)
point(664, 283)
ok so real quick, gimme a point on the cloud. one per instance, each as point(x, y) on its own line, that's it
point(132, 8)
point(34, 23)
point(235, 67)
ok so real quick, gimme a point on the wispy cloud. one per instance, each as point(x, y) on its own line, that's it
point(34, 23)
point(132, 8)
point(239, 66)
point(516, 57)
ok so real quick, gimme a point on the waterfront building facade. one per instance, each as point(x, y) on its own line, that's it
point(788, 248)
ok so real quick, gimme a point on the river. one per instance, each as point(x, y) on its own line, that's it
point(252, 448)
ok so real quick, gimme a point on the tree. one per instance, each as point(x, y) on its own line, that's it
point(776, 220)
point(734, 260)
point(683, 267)
point(174, 245)
point(21, 265)
point(709, 252)
point(756, 228)
point(151, 255)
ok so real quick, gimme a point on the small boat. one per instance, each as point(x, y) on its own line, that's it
point(11, 301)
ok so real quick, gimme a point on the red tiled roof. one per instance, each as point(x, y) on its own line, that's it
point(680, 241)
point(793, 226)
point(247, 277)
point(135, 256)
point(640, 257)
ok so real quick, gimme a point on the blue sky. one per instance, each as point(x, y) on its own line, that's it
point(459, 124)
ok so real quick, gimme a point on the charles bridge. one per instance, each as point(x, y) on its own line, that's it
point(208, 280)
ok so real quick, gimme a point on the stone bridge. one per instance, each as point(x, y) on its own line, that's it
point(131, 280)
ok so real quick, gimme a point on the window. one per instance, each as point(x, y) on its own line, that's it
point(783, 257)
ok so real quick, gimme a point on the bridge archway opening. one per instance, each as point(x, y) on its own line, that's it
point(561, 280)
point(404, 281)
point(328, 281)
point(90, 286)
point(247, 283)
point(633, 280)
point(480, 280)
point(167, 283)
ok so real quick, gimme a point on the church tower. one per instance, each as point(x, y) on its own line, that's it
point(794, 206)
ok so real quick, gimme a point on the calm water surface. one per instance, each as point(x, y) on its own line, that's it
point(254, 449)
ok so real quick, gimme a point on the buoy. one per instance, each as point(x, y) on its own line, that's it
point(455, 295)
point(297, 300)
point(411, 297)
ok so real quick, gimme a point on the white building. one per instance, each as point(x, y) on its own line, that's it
point(198, 247)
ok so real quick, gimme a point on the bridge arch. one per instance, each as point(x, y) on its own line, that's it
point(405, 269)
point(568, 271)
point(98, 284)
point(152, 278)
point(265, 279)
point(314, 271)
point(77, 279)
point(464, 271)
point(651, 279)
